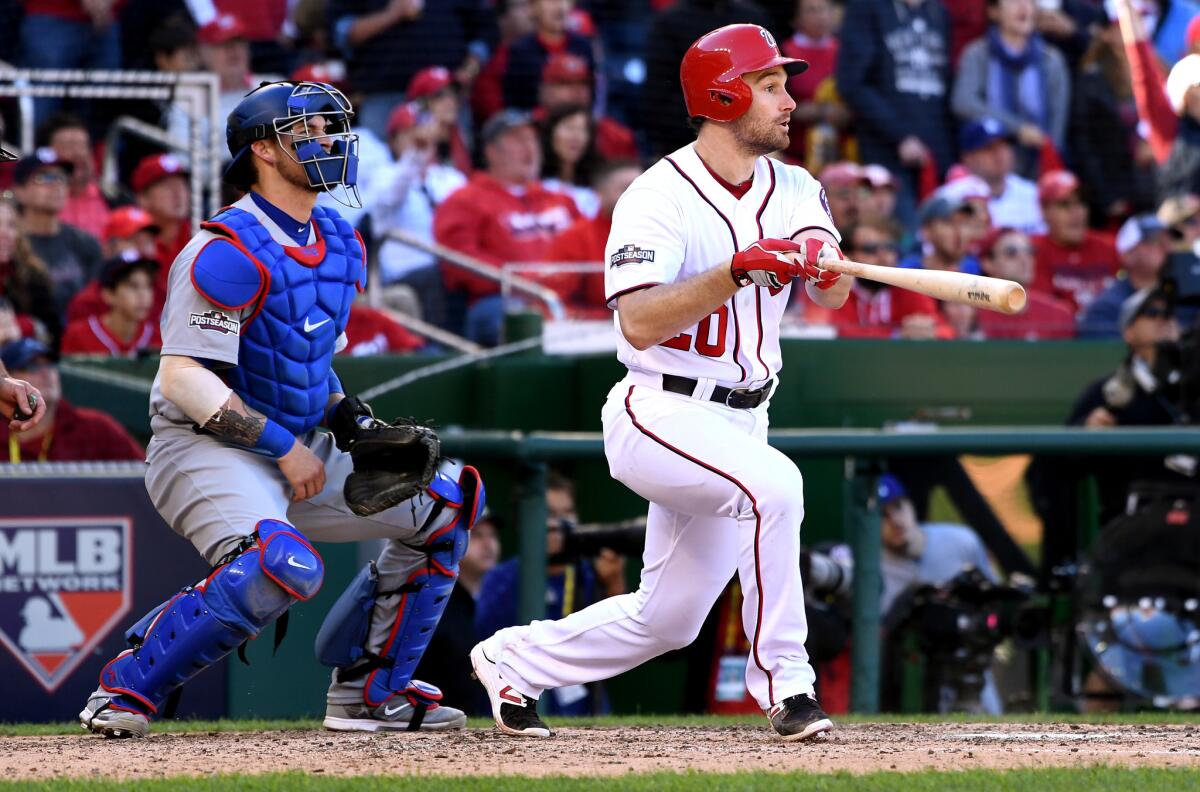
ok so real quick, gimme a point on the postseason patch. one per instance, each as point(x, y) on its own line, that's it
point(630, 254)
point(216, 322)
point(65, 584)
point(825, 205)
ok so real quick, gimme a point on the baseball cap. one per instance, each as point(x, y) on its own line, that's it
point(225, 27)
point(981, 134)
point(1138, 302)
point(940, 207)
point(332, 72)
point(406, 116)
point(428, 82)
point(564, 67)
point(890, 489)
point(127, 221)
point(841, 173)
point(43, 157)
point(502, 122)
point(1056, 185)
point(1183, 76)
point(878, 176)
point(112, 270)
point(965, 188)
point(153, 169)
point(1136, 230)
point(988, 243)
point(17, 355)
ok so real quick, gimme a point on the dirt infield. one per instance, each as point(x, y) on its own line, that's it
point(855, 748)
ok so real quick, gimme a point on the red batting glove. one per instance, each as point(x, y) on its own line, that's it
point(813, 250)
point(766, 263)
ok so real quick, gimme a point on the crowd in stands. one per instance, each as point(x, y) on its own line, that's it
point(1053, 143)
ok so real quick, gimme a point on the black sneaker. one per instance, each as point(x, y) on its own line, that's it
point(799, 718)
point(514, 712)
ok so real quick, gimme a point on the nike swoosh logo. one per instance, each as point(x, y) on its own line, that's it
point(308, 328)
point(508, 694)
point(293, 562)
point(390, 712)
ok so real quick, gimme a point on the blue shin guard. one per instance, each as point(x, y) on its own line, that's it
point(344, 636)
point(205, 622)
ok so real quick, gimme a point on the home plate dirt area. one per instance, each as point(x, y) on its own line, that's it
point(858, 748)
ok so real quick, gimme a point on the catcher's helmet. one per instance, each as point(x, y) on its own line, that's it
point(712, 69)
point(283, 109)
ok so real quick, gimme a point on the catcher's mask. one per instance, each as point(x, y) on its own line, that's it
point(285, 110)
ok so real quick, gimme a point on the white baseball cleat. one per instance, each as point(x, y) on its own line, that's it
point(514, 712)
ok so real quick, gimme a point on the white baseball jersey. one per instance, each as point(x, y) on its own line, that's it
point(677, 221)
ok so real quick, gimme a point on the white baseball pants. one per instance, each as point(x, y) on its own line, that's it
point(721, 500)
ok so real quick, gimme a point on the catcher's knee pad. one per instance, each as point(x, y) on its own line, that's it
point(345, 634)
point(205, 622)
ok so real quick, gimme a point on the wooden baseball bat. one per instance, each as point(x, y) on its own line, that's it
point(994, 294)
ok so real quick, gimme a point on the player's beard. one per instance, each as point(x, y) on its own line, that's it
point(759, 136)
point(294, 173)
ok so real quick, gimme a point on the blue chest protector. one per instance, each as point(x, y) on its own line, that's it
point(301, 298)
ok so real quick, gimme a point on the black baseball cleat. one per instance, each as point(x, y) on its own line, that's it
point(799, 717)
point(515, 713)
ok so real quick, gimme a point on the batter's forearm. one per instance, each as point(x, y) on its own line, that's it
point(651, 316)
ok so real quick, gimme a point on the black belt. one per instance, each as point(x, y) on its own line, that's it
point(737, 398)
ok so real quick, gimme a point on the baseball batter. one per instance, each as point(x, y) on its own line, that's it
point(703, 249)
point(257, 305)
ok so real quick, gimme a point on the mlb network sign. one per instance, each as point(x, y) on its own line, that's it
point(65, 583)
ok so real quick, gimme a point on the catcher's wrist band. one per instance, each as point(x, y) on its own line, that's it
point(275, 440)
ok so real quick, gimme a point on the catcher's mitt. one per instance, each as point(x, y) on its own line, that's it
point(392, 462)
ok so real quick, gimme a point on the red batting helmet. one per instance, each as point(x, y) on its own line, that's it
point(712, 69)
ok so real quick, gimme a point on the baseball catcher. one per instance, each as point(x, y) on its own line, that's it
point(257, 306)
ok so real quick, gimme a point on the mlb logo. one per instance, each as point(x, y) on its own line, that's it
point(65, 583)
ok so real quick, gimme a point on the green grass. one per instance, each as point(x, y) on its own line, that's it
point(1092, 779)
point(615, 721)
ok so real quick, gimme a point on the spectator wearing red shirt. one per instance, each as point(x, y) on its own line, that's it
point(86, 208)
point(1008, 254)
point(128, 327)
point(876, 310)
point(567, 81)
point(1074, 263)
point(585, 239)
point(372, 332)
point(814, 42)
point(129, 228)
point(434, 91)
point(502, 215)
point(66, 433)
point(160, 182)
point(514, 20)
point(527, 56)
